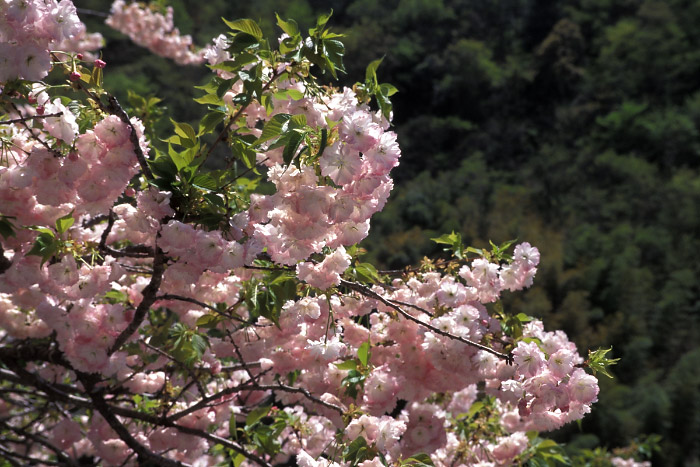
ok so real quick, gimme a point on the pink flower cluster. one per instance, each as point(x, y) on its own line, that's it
point(486, 280)
point(154, 31)
point(28, 29)
point(37, 187)
point(339, 360)
point(308, 213)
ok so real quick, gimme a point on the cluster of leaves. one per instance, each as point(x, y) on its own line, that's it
point(51, 242)
point(358, 370)
point(266, 295)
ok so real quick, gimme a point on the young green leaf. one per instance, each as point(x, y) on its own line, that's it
point(245, 25)
point(64, 223)
point(363, 353)
point(256, 414)
point(289, 26)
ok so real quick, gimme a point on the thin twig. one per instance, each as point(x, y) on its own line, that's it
point(235, 117)
point(44, 442)
point(105, 410)
point(117, 110)
point(35, 137)
point(367, 292)
point(189, 371)
point(149, 297)
point(31, 117)
point(87, 11)
point(223, 441)
point(302, 391)
point(411, 305)
point(201, 304)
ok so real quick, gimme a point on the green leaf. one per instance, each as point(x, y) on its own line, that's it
point(209, 99)
point(240, 42)
point(235, 65)
point(233, 427)
point(324, 142)
point(321, 23)
point(363, 353)
point(7, 229)
point(290, 26)
point(204, 181)
point(208, 321)
point(199, 344)
point(523, 318)
point(294, 140)
point(347, 365)
point(184, 130)
point(357, 451)
point(238, 460)
point(256, 414)
point(46, 245)
point(116, 296)
point(388, 89)
point(371, 71)
point(273, 128)
point(215, 200)
point(367, 273)
point(419, 460)
point(293, 93)
point(164, 167)
point(454, 240)
point(64, 223)
point(245, 25)
point(598, 362)
point(448, 239)
point(210, 121)
point(297, 121)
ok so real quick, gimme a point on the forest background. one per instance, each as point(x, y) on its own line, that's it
point(570, 125)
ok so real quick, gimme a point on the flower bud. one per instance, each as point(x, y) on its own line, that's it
point(74, 76)
point(100, 64)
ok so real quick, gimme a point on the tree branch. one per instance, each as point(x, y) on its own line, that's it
point(149, 297)
point(30, 117)
point(367, 292)
point(106, 411)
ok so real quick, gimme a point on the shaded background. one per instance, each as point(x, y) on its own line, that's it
point(571, 125)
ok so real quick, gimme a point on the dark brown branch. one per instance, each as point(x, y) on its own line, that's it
point(367, 292)
point(116, 109)
point(199, 303)
point(31, 117)
point(106, 411)
point(222, 441)
point(94, 221)
point(66, 460)
point(188, 370)
point(149, 297)
point(411, 305)
point(107, 231)
point(34, 137)
point(132, 251)
point(203, 403)
point(113, 108)
point(30, 460)
point(302, 391)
